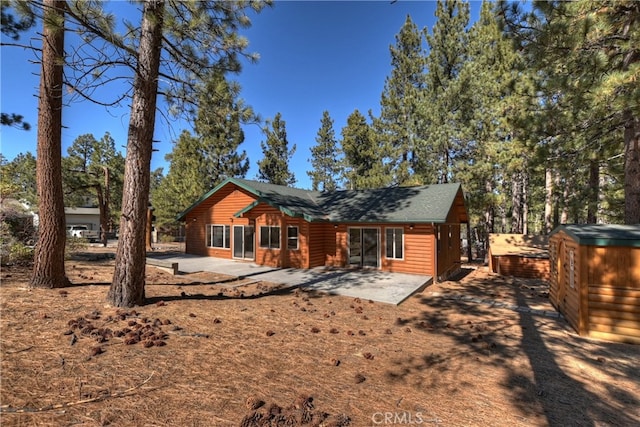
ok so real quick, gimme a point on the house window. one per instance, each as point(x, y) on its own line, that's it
point(218, 236)
point(395, 243)
point(270, 237)
point(292, 237)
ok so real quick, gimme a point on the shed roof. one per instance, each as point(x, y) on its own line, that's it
point(526, 245)
point(426, 204)
point(602, 234)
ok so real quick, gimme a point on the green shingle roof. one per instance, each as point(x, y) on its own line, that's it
point(602, 234)
point(429, 203)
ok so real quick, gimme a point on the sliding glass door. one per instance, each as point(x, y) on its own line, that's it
point(364, 247)
point(243, 241)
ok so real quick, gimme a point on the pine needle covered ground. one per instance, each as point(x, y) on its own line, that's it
point(208, 350)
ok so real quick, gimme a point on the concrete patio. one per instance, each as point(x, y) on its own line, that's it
point(375, 285)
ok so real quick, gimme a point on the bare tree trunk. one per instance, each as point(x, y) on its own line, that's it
point(488, 213)
point(103, 204)
point(469, 240)
point(564, 214)
point(631, 168)
point(593, 191)
point(516, 203)
point(525, 203)
point(105, 224)
point(148, 230)
point(548, 201)
point(48, 263)
point(503, 219)
point(127, 288)
point(489, 223)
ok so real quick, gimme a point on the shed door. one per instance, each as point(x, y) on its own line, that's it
point(561, 276)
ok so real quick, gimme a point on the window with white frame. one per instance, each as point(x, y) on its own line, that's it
point(292, 237)
point(395, 243)
point(218, 236)
point(269, 237)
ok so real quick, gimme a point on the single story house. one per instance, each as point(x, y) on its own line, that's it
point(595, 279)
point(83, 216)
point(403, 229)
point(519, 255)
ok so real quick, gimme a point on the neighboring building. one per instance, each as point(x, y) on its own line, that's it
point(404, 229)
point(83, 216)
point(519, 255)
point(595, 279)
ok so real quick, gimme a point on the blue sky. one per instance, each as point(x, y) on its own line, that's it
point(314, 56)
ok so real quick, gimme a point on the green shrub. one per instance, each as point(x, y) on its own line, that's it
point(75, 245)
point(21, 254)
point(167, 238)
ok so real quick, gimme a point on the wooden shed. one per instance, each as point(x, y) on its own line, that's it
point(403, 229)
point(519, 255)
point(595, 279)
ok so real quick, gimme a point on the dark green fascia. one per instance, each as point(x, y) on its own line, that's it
point(284, 210)
point(596, 241)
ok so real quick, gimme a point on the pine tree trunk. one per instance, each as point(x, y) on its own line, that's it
point(488, 218)
point(525, 203)
point(127, 288)
point(516, 203)
point(631, 168)
point(564, 213)
point(104, 209)
point(48, 262)
point(593, 191)
point(148, 230)
point(469, 240)
point(488, 213)
point(105, 212)
point(548, 201)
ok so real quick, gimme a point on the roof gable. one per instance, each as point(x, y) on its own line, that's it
point(429, 203)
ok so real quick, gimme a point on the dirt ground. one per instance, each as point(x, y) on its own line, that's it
point(208, 350)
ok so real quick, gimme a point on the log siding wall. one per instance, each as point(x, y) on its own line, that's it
point(605, 300)
point(217, 209)
point(520, 266)
point(320, 243)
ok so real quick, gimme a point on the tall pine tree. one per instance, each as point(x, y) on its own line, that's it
point(185, 182)
point(218, 127)
point(95, 168)
point(443, 105)
point(401, 125)
point(200, 162)
point(485, 80)
point(48, 262)
point(325, 158)
point(586, 57)
point(364, 165)
point(274, 166)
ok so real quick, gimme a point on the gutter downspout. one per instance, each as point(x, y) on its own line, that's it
point(435, 254)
